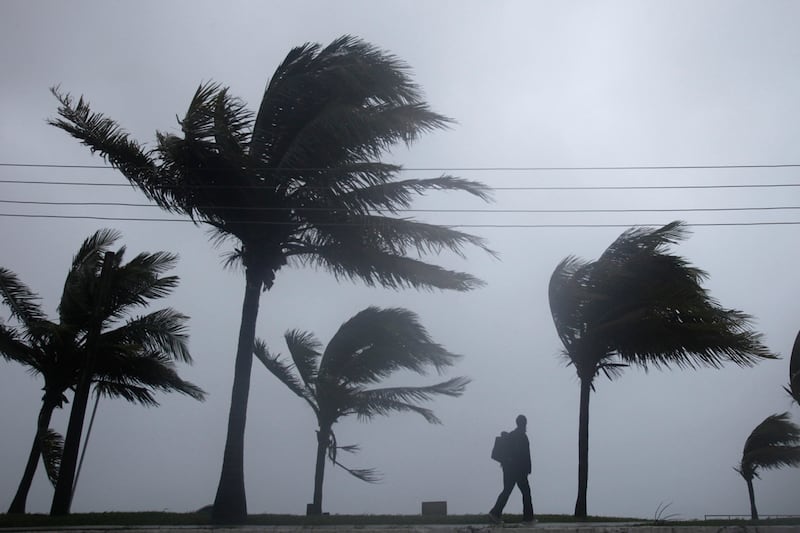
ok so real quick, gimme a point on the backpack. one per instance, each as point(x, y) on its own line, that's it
point(501, 449)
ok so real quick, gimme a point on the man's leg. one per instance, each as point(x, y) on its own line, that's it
point(508, 486)
point(527, 503)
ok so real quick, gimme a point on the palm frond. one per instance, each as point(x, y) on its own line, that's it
point(387, 406)
point(395, 236)
point(94, 247)
point(794, 371)
point(369, 475)
point(304, 349)
point(568, 294)
point(139, 281)
point(20, 299)
point(773, 443)
point(375, 267)
point(392, 195)
point(51, 445)
point(382, 401)
point(104, 136)
point(314, 81)
point(163, 330)
point(13, 348)
point(376, 342)
point(131, 393)
point(648, 307)
point(283, 372)
point(141, 368)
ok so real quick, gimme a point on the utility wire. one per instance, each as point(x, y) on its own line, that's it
point(348, 224)
point(460, 169)
point(531, 188)
point(399, 210)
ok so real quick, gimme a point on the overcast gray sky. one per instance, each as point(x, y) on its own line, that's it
point(531, 84)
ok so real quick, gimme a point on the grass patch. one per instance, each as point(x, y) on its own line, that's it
point(204, 519)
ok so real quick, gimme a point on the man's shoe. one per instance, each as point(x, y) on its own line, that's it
point(493, 518)
point(531, 522)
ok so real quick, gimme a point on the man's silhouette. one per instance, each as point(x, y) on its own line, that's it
point(516, 467)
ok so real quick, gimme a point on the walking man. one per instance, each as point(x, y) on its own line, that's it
point(516, 462)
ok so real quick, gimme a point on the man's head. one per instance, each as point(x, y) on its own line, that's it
point(522, 422)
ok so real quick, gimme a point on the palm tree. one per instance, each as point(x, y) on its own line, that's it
point(638, 304)
point(774, 443)
point(299, 181)
point(341, 381)
point(137, 353)
point(794, 371)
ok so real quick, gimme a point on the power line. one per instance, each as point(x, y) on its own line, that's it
point(529, 188)
point(461, 169)
point(269, 223)
point(511, 211)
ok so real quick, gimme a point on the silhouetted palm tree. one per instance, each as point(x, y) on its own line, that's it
point(638, 304)
point(365, 350)
point(794, 371)
point(137, 353)
point(774, 443)
point(302, 181)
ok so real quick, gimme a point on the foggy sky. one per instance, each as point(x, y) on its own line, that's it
point(530, 84)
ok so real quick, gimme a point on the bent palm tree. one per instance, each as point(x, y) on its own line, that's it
point(794, 371)
point(774, 443)
point(638, 304)
point(137, 352)
point(340, 381)
point(300, 180)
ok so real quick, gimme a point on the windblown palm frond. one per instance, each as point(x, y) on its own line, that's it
point(381, 402)
point(774, 443)
point(162, 330)
point(13, 348)
point(52, 446)
point(304, 349)
point(646, 306)
point(21, 301)
point(284, 373)
point(794, 371)
point(377, 342)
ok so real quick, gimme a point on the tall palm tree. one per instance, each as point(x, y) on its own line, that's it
point(341, 381)
point(794, 371)
point(137, 353)
point(640, 305)
point(299, 181)
point(774, 443)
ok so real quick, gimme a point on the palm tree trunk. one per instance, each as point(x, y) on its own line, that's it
point(43, 422)
point(753, 510)
point(323, 440)
point(583, 449)
point(62, 499)
point(230, 504)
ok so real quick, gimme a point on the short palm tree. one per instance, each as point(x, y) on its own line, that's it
point(774, 443)
point(794, 371)
point(638, 304)
point(299, 181)
point(137, 352)
point(342, 380)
